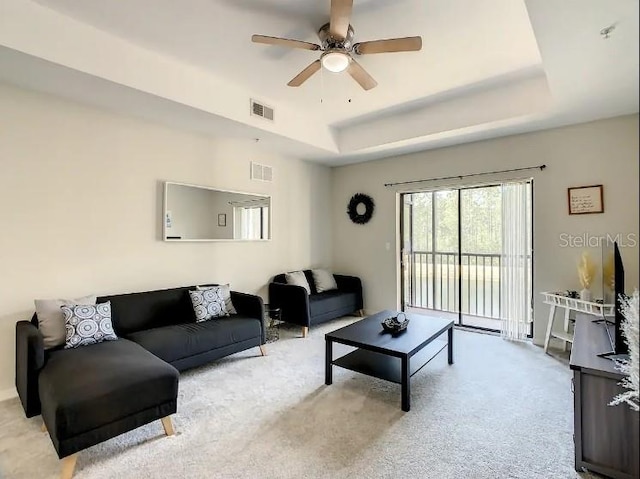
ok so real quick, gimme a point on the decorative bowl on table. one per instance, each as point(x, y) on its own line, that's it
point(395, 324)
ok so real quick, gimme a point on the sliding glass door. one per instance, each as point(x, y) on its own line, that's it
point(481, 247)
point(452, 251)
point(430, 251)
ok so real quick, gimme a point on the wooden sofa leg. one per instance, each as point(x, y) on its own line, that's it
point(263, 350)
point(305, 331)
point(68, 466)
point(43, 428)
point(361, 313)
point(168, 426)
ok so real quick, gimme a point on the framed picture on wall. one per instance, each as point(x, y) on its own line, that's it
point(584, 200)
point(222, 219)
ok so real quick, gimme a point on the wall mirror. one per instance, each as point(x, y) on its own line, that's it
point(199, 213)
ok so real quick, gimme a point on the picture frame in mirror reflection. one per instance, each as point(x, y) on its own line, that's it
point(203, 213)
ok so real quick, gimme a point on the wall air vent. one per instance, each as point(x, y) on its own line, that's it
point(261, 172)
point(262, 110)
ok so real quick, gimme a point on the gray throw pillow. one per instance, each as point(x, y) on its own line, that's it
point(87, 324)
point(323, 280)
point(298, 278)
point(208, 304)
point(51, 321)
point(226, 294)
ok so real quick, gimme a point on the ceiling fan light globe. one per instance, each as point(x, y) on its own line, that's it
point(335, 62)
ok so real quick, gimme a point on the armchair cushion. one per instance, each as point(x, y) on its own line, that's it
point(323, 303)
point(323, 280)
point(298, 278)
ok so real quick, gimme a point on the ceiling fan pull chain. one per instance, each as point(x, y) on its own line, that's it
point(322, 85)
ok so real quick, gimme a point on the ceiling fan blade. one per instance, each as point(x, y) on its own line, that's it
point(340, 18)
point(305, 74)
point(284, 42)
point(408, 44)
point(360, 75)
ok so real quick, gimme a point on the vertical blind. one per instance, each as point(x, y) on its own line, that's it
point(515, 286)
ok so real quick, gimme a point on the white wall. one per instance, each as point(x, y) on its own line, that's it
point(603, 152)
point(81, 209)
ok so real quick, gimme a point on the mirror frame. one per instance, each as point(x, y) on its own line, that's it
point(227, 240)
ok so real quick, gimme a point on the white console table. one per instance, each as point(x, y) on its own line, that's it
point(555, 300)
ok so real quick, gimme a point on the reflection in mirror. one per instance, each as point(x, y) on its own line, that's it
point(197, 213)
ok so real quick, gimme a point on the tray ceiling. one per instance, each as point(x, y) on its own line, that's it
point(527, 65)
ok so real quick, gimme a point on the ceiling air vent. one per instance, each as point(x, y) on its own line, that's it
point(261, 172)
point(261, 110)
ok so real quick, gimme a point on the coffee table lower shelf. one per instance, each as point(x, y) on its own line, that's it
point(388, 368)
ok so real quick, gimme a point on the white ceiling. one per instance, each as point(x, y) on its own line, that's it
point(487, 68)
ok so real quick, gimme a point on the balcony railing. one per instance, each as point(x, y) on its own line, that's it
point(432, 282)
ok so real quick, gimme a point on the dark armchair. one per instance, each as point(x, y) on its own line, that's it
point(304, 309)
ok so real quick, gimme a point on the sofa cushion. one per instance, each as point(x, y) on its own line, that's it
point(328, 301)
point(85, 388)
point(150, 309)
point(179, 341)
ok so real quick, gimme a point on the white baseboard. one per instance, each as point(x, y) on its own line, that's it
point(8, 394)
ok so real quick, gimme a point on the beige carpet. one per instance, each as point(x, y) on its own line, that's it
point(503, 410)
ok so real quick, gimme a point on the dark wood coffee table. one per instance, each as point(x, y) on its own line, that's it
point(393, 358)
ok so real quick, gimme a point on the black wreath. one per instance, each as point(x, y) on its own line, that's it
point(352, 209)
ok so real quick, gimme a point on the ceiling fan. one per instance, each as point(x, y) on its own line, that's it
point(336, 38)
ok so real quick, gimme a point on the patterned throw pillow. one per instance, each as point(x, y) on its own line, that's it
point(208, 304)
point(87, 324)
point(226, 293)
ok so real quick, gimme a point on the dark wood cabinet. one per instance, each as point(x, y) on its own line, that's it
point(605, 437)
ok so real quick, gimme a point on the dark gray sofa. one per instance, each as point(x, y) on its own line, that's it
point(93, 393)
point(304, 309)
